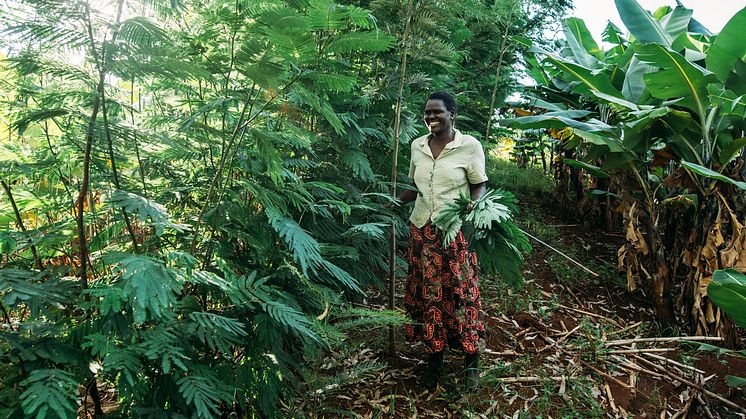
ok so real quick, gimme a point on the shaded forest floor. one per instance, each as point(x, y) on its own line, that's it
point(565, 345)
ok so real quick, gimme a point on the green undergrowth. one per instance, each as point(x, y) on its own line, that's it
point(529, 184)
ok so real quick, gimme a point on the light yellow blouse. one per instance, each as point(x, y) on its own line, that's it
point(440, 181)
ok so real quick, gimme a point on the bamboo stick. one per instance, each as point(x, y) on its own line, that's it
point(561, 254)
point(612, 404)
point(630, 327)
point(672, 362)
point(567, 335)
point(630, 366)
point(695, 386)
point(588, 313)
point(706, 408)
point(641, 351)
point(513, 380)
point(664, 339)
point(607, 376)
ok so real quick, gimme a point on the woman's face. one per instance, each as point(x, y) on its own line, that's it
point(438, 118)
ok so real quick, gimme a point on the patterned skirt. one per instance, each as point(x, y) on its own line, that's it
point(442, 292)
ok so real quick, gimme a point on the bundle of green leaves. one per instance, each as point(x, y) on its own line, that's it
point(491, 232)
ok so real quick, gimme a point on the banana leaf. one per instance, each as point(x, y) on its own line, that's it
point(728, 48)
point(584, 48)
point(589, 80)
point(641, 23)
point(558, 120)
point(677, 79)
point(728, 291)
point(677, 22)
point(711, 174)
point(591, 169)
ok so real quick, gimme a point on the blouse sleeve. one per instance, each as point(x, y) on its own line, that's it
point(475, 171)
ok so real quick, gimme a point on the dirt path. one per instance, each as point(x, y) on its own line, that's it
point(566, 345)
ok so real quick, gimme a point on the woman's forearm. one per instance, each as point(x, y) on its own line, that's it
point(477, 190)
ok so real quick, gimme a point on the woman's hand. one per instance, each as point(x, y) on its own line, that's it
point(394, 202)
point(476, 192)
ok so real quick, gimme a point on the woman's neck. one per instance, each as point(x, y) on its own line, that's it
point(444, 137)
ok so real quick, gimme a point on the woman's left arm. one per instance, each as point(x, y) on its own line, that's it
point(477, 190)
point(476, 176)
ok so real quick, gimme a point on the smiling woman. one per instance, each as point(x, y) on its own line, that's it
point(442, 289)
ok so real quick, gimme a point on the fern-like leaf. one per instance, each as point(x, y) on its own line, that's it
point(216, 331)
point(306, 250)
point(164, 345)
point(489, 228)
point(50, 392)
point(204, 390)
point(150, 287)
point(21, 286)
point(147, 210)
point(370, 230)
point(143, 33)
point(359, 163)
point(361, 41)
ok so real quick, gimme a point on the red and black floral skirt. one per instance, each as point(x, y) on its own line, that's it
point(442, 292)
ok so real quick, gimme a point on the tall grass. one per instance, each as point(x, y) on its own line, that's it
point(528, 184)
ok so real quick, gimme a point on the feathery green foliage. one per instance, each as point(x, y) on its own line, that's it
point(490, 231)
point(228, 157)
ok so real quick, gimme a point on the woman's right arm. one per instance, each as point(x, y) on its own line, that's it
point(407, 196)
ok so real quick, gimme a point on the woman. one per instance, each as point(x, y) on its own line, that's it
point(442, 290)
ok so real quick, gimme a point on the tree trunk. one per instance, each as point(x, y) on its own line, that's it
point(543, 161)
point(661, 285)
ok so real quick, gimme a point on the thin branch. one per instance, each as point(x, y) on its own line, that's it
point(642, 351)
point(699, 387)
point(673, 362)
point(224, 156)
point(503, 50)
point(114, 172)
point(19, 223)
point(561, 254)
point(137, 146)
point(664, 339)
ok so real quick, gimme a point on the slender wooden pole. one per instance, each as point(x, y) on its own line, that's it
point(137, 146)
point(114, 171)
point(84, 183)
point(394, 164)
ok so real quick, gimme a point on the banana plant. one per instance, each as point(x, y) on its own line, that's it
point(665, 108)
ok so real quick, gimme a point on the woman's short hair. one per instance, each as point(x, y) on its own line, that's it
point(447, 99)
